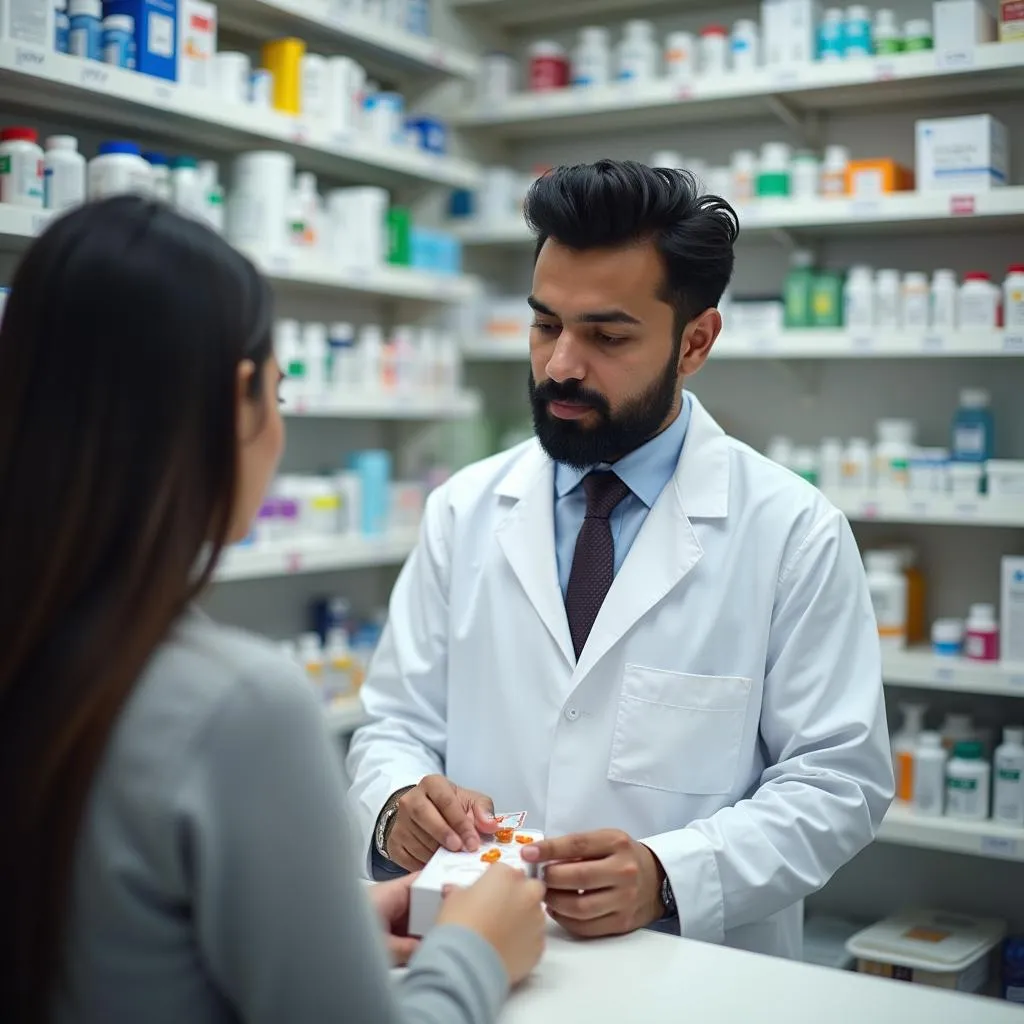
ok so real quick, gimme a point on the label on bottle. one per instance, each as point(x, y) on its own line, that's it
point(969, 441)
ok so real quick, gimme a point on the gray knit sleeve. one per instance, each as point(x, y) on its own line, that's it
point(284, 925)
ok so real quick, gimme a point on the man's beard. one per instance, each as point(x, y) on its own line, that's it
point(613, 436)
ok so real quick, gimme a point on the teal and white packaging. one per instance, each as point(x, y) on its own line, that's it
point(62, 27)
point(156, 34)
point(119, 41)
point(85, 35)
point(28, 21)
point(857, 32)
point(374, 471)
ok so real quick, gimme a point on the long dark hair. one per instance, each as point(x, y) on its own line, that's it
point(119, 356)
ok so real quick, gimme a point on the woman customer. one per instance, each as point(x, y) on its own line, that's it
point(175, 843)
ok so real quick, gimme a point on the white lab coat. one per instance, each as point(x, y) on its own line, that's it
point(727, 708)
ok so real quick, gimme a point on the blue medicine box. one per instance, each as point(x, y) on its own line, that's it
point(156, 34)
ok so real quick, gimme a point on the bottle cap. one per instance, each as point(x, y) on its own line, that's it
point(180, 163)
point(968, 750)
point(930, 740)
point(977, 275)
point(114, 148)
point(19, 134)
point(974, 398)
point(1014, 734)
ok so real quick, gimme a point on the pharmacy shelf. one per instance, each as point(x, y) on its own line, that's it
point(19, 226)
point(999, 208)
point(75, 91)
point(314, 555)
point(920, 669)
point(981, 838)
point(532, 12)
point(306, 274)
point(814, 344)
point(938, 509)
point(988, 69)
point(461, 405)
point(344, 716)
point(326, 24)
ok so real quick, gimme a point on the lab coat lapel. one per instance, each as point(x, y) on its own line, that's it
point(527, 538)
point(666, 548)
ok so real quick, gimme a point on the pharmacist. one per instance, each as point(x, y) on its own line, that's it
point(655, 641)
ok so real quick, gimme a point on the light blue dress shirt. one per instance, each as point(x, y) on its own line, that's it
point(644, 471)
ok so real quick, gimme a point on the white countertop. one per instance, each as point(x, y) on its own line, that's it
point(652, 978)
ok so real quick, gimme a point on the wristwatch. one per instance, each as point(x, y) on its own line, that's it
point(668, 898)
point(386, 822)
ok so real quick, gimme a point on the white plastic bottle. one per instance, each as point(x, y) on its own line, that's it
point(290, 357)
point(956, 727)
point(159, 177)
point(830, 464)
point(341, 345)
point(371, 357)
point(979, 306)
point(859, 300)
point(744, 46)
point(637, 52)
point(916, 300)
point(857, 465)
point(118, 168)
point(21, 168)
point(315, 353)
point(1013, 298)
point(592, 58)
point(887, 299)
point(63, 173)
point(744, 174)
point(943, 300)
point(714, 51)
point(187, 192)
point(833, 171)
point(681, 57)
point(930, 775)
point(306, 216)
point(213, 194)
point(904, 748)
point(887, 584)
point(1008, 783)
point(968, 778)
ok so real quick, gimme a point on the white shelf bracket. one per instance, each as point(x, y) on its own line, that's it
point(785, 113)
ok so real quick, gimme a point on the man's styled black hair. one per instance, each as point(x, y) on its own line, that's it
point(621, 202)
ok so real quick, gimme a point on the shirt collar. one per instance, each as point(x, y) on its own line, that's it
point(644, 471)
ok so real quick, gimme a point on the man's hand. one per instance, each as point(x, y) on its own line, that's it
point(438, 813)
point(391, 901)
point(604, 883)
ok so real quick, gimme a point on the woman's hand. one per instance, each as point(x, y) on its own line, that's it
point(391, 900)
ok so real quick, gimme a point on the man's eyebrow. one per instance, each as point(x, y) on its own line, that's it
point(601, 316)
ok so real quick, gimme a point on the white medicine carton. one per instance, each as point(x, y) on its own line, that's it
point(28, 21)
point(461, 869)
point(961, 154)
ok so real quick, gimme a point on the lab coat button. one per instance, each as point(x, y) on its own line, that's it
point(572, 714)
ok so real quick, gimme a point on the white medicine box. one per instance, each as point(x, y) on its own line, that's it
point(197, 43)
point(789, 31)
point(33, 22)
point(959, 25)
point(462, 870)
point(967, 154)
point(1011, 603)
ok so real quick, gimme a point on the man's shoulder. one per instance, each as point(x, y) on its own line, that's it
point(482, 478)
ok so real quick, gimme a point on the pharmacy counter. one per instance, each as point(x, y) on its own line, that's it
point(657, 979)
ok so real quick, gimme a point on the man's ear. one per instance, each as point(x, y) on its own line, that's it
point(699, 336)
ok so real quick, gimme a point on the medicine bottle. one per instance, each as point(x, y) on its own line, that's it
point(773, 176)
point(947, 637)
point(973, 435)
point(979, 306)
point(831, 35)
point(63, 173)
point(859, 300)
point(904, 748)
point(917, 35)
point(118, 168)
point(887, 585)
point(744, 46)
point(21, 168)
point(805, 175)
point(916, 300)
point(187, 187)
point(967, 782)
point(857, 464)
point(118, 41)
point(681, 57)
point(892, 453)
point(830, 464)
point(857, 32)
point(549, 66)
point(160, 176)
point(62, 41)
point(591, 60)
point(637, 52)
point(929, 774)
point(1013, 298)
point(1008, 783)
point(833, 171)
point(311, 656)
point(887, 34)
point(744, 173)
point(888, 296)
point(85, 35)
point(714, 49)
point(943, 300)
point(981, 638)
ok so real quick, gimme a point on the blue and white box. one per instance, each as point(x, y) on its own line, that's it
point(961, 154)
point(156, 34)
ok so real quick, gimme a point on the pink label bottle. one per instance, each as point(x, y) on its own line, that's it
point(981, 638)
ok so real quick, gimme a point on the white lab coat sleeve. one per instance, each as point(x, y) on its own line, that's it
point(829, 780)
point(405, 693)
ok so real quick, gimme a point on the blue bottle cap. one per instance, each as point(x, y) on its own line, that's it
point(110, 148)
point(157, 159)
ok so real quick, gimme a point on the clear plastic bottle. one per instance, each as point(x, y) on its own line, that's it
point(968, 777)
point(930, 775)
point(1008, 782)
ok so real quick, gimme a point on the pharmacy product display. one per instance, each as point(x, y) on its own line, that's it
point(177, 40)
point(329, 365)
point(897, 463)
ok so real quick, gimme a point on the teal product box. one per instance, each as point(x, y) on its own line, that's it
point(374, 471)
point(156, 34)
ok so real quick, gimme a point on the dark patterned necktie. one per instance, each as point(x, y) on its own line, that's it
point(593, 562)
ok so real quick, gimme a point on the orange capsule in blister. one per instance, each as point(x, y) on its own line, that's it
point(491, 856)
point(524, 839)
point(504, 835)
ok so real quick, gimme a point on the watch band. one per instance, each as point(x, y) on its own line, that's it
point(386, 822)
point(668, 898)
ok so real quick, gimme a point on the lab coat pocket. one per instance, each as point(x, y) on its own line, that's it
point(677, 732)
